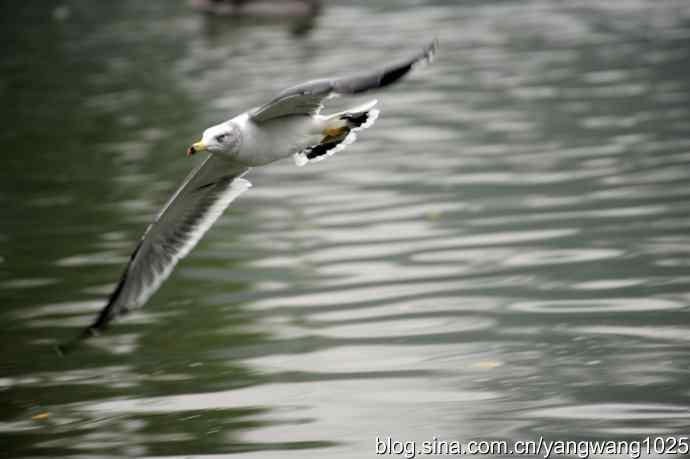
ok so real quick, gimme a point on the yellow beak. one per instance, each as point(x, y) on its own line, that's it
point(196, 147)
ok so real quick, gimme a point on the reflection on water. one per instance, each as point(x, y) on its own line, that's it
point(505, 255)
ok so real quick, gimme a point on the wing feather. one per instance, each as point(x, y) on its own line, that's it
point(178, 227)
point(307, 98)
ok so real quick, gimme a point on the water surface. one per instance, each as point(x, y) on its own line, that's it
point(504, 255)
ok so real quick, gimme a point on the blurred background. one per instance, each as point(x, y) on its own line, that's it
point(504, 255)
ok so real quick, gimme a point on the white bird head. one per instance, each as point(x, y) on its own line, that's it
point(224, 138)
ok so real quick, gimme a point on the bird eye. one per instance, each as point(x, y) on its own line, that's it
point(221, 138)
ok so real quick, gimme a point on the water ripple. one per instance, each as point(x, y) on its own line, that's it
point(593, 306)
point(506, 251)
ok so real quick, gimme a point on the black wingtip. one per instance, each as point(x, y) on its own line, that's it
point(66, 348)
point(63, 349)
point(431, 50)
point(395, 73)
point(59, 350)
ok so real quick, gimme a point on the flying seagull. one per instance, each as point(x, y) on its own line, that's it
point(289, 125)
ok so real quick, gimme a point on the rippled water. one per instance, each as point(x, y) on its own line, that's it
point(505, 255)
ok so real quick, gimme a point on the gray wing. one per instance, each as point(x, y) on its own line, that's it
point(307, 98)
point(191, 211)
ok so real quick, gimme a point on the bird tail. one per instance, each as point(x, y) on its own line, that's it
point(339, 132)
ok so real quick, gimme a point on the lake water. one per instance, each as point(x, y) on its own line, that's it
point(505, 255)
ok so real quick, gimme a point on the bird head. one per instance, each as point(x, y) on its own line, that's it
point(223, 138)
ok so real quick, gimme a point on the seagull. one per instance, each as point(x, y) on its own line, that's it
point(291, 124)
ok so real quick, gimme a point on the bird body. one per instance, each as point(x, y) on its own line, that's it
point(264, 143)
point(289, 124)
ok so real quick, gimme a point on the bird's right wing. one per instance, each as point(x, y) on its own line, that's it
point(306, 98)
point(191, 211)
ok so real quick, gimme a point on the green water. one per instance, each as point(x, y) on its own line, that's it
point(503, 256)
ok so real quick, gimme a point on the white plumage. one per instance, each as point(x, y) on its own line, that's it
point(288, 125)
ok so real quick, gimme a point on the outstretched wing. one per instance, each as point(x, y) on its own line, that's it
point(306, 98)
point(191, 211)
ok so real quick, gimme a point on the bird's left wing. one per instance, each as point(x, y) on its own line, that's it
point(306, 98)
point(191, 211)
